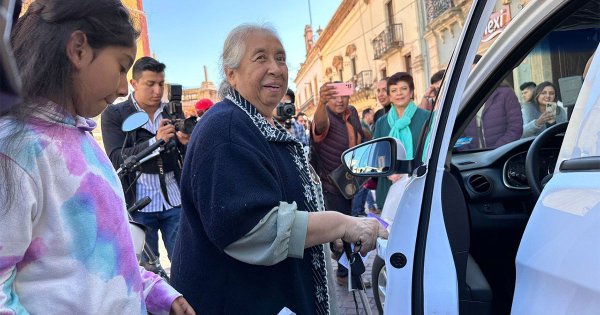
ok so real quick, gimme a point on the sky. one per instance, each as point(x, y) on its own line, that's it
point(188, 34)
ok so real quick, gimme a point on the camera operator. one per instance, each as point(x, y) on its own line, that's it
point(160, 175)
point(284, 114)
point(430, 95)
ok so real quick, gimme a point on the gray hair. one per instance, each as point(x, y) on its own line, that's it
point(234, 49)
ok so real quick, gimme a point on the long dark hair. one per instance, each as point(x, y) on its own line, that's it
point(39, 41)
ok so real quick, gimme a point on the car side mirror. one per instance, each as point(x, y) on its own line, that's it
point(134, 121)
point(377, 158)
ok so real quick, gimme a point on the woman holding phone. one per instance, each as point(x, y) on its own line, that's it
point(543, 111)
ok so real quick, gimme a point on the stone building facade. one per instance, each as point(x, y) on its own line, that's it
point(191, 95)
point(367, 40)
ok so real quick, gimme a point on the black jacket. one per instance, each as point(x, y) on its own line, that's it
point(118, 147)
point(233, 176)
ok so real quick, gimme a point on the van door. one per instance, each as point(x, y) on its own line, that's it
point(421, 273)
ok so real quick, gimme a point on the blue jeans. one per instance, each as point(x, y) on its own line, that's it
point(167, 221)
point(358, 202)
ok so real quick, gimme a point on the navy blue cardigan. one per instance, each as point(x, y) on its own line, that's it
point(232, 177)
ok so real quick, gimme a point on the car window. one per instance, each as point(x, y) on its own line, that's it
point(540, 91)
point(586, 141)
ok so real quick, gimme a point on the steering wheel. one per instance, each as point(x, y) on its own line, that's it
point(532, 170)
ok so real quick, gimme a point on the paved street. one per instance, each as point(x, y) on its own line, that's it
point(345, 300)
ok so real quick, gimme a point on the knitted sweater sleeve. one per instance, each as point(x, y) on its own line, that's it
point(234, 187)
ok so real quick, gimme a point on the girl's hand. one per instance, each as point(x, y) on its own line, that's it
point(181, 307)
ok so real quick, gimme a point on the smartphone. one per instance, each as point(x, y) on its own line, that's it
point(343, 89)
point(551, 108)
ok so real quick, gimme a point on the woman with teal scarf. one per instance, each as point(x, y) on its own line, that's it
point(403, 122)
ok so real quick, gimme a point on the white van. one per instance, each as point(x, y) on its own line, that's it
point(510, 227)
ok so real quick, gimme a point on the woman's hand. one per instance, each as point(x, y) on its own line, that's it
point(365, 230)
point(544, 118)
point(181, 307)
point(395, 177)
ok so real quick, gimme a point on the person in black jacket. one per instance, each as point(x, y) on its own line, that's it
point(160, 176)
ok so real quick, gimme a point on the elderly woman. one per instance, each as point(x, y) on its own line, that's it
point(403, 122)
point(536, 117)
point(253, 224)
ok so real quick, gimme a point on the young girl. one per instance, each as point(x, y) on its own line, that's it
point(65, 244)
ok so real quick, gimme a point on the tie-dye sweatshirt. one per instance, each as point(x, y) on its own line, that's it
point(65, 243)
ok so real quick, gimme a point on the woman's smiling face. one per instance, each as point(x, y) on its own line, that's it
point(400, 93)
point(548, 94)
point(262, 75)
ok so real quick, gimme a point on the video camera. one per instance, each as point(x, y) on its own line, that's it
point(285, 113)
point(175, 110)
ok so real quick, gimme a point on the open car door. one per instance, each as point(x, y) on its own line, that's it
point(422, 277)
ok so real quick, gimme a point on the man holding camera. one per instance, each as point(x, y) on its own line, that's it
point(159, 176)
point(284, 113)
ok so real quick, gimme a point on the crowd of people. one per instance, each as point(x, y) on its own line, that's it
point(245, 204)
point(239, 206)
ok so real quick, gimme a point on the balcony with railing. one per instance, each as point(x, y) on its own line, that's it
point(364, 80)
point(363, 86)
point(435, 8)
point(387, 41)
point(309, 102)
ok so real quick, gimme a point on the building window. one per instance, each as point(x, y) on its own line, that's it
point(341, 75)
point(353, 66)
point(408, 62)
point(306, 91)
point(389, 13)
point(383, 73)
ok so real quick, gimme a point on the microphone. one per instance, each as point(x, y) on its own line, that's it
point(140, 204)
point(131, 162)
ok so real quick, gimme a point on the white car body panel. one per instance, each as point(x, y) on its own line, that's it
point(402, 240)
